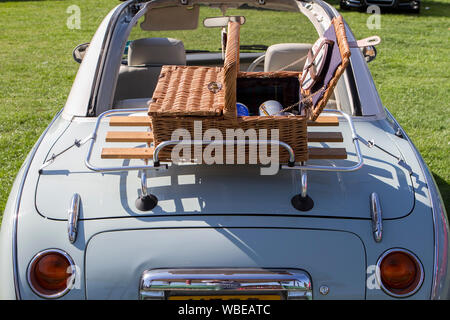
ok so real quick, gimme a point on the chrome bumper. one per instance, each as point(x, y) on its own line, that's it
point(160, 284)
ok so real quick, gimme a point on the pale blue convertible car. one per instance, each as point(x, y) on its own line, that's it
point(88, 219)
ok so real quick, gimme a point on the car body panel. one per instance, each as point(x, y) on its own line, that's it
point(441, 285)
point(113, 255)
point(7, 286)
point(9, 231)
point(417, 237)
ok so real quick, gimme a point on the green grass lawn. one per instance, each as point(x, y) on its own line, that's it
point(412, 71)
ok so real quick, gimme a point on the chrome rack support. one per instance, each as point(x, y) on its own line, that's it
point(335, 168)
point(146, 201)
point(302, 201)
point(121, 168)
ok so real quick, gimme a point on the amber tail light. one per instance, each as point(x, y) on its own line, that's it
point(51, 273)
point(400, 273)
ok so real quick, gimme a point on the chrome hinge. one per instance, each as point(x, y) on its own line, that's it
point(377, 219)
point(74, 215)
point(77, 143)
point(400, 161)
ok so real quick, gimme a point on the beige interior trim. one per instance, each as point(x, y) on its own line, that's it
point(171, 18)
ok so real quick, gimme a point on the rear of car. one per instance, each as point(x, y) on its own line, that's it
point(220, 232)
point(197, 244)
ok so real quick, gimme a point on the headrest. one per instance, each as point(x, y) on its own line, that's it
point(156, 51)
point(278, 56)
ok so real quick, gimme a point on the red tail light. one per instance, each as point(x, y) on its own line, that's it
point(51, 273)
point(400, 272)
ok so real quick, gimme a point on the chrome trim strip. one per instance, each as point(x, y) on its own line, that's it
point(441, 277)
point(70, 281)
point(330, 11)
point(74, 214)
point(378, 275)
point(17, 206)
point(377, 219)
point(160, 283)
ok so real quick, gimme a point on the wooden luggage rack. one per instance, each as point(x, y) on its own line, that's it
point(150, 154)
point(183, 95)
point(147, 137)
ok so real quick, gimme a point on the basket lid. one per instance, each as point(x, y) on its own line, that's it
point(200, 91)
point(188, 91)
point(331, 64)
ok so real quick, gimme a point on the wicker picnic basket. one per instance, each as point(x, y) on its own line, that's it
point(186, 95)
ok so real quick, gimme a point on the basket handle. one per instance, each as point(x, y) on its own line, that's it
point(231, 68)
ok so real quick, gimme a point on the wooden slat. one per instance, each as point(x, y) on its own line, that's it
point(327, 153)
point(129, 136)
point(325, 137)
point(135, 136)
point(147, 153)
point(144, 121)
point(127, 153)
point(324, 122)
point(129, 121)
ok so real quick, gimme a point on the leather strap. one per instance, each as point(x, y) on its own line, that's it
point(311, 67)
point(370, 41)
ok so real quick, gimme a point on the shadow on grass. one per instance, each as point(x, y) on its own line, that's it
point(444, 188)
